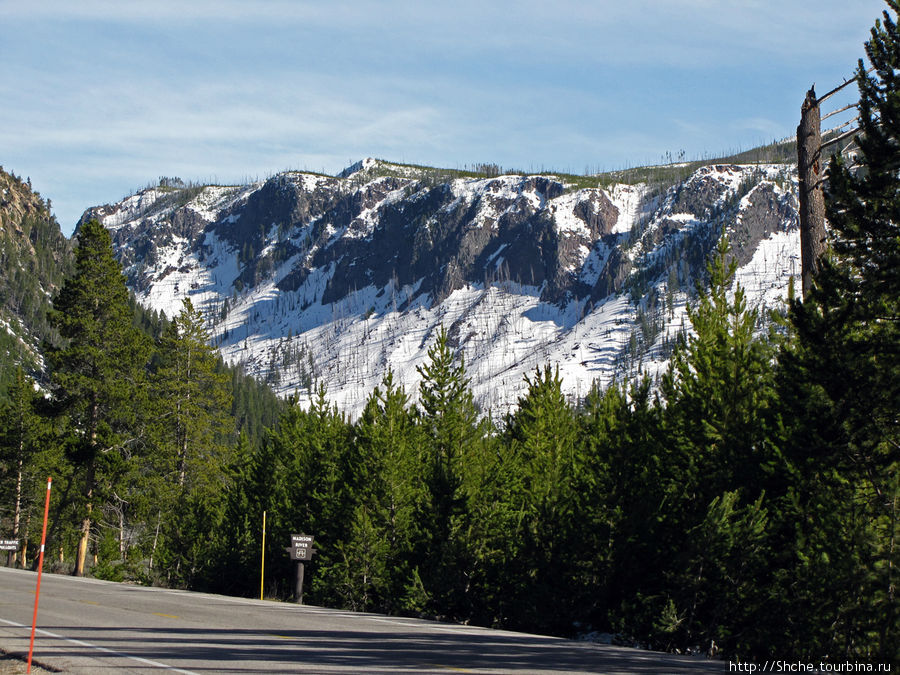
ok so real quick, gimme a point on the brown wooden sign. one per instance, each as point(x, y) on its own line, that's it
point(301, 547)
point(9, 544)
point(303, 553)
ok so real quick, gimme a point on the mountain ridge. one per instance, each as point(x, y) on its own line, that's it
point(341, 278)
point(35, 259)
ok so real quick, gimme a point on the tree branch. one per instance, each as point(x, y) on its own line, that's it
point(838, 139)
point(831, 93)
point(847, 123)
point(839, 110)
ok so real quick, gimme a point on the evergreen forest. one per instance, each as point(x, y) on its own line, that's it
point(746, 504)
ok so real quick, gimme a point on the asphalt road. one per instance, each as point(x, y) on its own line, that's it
point(98, 627)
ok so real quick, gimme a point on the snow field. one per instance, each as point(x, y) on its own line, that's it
point(504, 331)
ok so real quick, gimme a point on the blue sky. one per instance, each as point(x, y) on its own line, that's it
point(99, 99)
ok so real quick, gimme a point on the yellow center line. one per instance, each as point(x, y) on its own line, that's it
point(89, 602)
point(166, 616)
point(443, 667)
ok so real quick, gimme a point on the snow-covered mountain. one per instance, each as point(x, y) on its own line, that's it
point(340, 278)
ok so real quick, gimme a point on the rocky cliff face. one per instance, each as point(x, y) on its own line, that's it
point(341, 278)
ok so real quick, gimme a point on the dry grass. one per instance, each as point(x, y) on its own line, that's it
point(13, 664)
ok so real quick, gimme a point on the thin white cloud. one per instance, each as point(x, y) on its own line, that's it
point(767, 129)
point(128, 91)
point(163, 11)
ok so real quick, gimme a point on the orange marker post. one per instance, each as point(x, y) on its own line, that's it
point(37, 593)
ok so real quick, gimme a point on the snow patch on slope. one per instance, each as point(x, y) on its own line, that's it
point(504, 329)
point(629, 200)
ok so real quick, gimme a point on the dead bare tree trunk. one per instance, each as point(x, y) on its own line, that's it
point(122, 530)
point(812, 196)
point(17, 515)
point(23, 553)
point(155, 538)
point(81, 551)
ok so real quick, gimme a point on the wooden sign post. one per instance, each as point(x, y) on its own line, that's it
point(301, 549)
point(11, 545)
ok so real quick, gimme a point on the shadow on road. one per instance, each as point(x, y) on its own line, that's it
point(367, 651)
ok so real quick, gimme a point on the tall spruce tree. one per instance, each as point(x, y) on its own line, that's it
point(549, 486)
point(453, 435)
point(377, 553)
point(98, 373)
point(239, 537)
point(194, 439)
point(194, 400)
point(841, 388)
point(620, 432)
point(303, 478)
point(20, 444)
point(720, 396)
point(719, 387)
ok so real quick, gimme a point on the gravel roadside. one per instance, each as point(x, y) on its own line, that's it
point(13, 665)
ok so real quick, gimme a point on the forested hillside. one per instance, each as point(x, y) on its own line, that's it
point(34, 260)
point(133, 415)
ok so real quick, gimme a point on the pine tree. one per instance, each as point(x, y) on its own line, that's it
point(719, 386)
point(377, 555)
point(21, 440)
point(194, 441)
point(621, 432)
point(361, 576)
point(194, 400)
point(453, 434)
point(841, 388)
point(720, 396)
point(240, 528)
point(547, 480)
point(98, 374)
point(304, 480)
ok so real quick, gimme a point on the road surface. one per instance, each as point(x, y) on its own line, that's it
point(101, 628)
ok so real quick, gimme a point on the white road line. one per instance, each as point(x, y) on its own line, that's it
point(82, 643)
